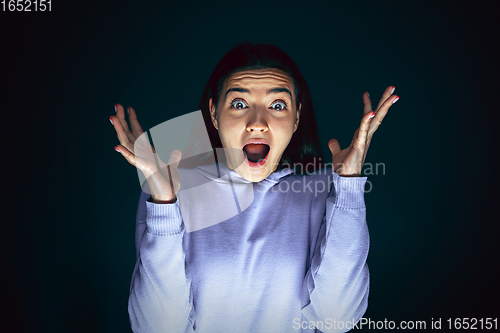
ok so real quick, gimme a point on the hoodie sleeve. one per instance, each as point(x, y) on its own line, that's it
point(159, 299)
point(337, 284)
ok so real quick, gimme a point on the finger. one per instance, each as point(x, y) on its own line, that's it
point(360, 142)
point(356, 133)
point(120, 114)
point(368, 103)
point(134, 123)
point(334, 146)
point(146, 168)
point(122, 135)
point(174, 160)
point(382, 112)
point(127, 154)
point(387, 93)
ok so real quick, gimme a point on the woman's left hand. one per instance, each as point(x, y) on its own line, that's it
point(349, 161)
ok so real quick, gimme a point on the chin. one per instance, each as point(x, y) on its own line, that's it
point(253, 177)
point(255, 173)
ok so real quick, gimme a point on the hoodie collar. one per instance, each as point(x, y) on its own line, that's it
point(221, 172)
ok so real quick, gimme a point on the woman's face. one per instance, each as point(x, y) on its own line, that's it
point(256, 116)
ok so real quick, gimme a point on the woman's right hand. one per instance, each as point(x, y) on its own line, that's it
point(163, 179)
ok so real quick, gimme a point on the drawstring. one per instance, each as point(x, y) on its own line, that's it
point(234, 192)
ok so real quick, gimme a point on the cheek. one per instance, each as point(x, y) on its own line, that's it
point(285, 130)
point(227, 133)
point(282, 139)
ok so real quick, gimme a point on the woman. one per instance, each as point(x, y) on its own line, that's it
point(252, 244)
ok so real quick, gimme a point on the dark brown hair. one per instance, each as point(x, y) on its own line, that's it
point(304, 147)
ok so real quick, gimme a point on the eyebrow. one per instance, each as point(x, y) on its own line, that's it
point(273, 90)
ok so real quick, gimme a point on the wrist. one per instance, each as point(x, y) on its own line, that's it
point(163, 201)
point(349, 174)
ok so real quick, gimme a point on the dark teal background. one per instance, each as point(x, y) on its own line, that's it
point(70, 199)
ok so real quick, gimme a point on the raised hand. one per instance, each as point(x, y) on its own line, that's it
point(349, 161)
point(163, 179)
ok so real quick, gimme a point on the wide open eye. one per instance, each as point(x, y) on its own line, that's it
point(281, 105)
point(238, 104)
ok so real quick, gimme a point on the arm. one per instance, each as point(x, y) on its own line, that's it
point(337, 284)
point(160, 299)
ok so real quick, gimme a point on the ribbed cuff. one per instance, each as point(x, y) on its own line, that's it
point(163, 219)
point(349, 191)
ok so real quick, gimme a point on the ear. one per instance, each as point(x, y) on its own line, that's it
point(296, 125)
point(213, 116)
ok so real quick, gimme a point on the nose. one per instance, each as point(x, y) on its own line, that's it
point(257, 122)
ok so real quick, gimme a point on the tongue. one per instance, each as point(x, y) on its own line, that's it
point(256, 152)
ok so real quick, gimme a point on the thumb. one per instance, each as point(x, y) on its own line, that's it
point(175, 158)
point(334, 146)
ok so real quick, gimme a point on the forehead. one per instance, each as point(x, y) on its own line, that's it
point(255, 79)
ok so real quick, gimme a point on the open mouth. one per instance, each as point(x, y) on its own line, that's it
point(256, 154)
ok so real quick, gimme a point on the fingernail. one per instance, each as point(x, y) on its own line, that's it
point(117, 149)
point(394, 101)
point(116, 107)
point(111, 120)
point(373, 115)
point(393, 88)
point(367, 94)
point(128, 109)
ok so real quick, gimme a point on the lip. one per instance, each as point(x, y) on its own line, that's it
point(256, 141)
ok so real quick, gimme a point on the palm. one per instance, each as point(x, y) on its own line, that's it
point(163, 179)
point(349, 161)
